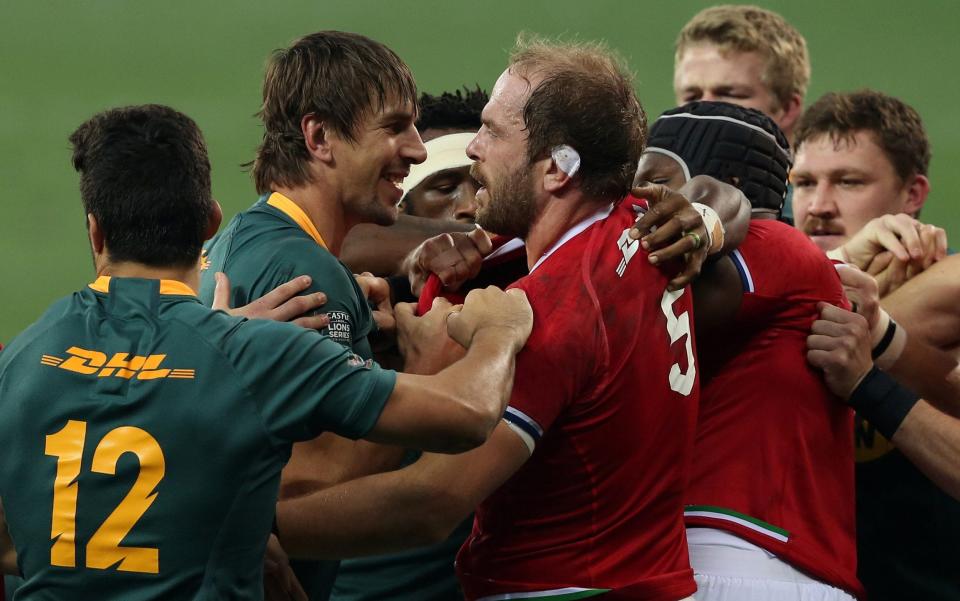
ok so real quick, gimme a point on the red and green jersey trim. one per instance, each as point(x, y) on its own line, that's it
point(569, 593)
point(728, 515)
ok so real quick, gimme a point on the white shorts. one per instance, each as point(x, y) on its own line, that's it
point(728, 568)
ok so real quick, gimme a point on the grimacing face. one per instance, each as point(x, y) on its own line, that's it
point(705, 72)
point(370, 170)
point(841, 184)
point(658, 168)
point(450, 194)
point(506, 199)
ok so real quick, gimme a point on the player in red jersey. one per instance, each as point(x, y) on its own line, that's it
point(770, 510)
point(580, 489)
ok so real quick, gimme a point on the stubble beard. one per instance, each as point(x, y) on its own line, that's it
point(510, 208)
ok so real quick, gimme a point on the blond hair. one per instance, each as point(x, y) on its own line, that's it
point(745, 28)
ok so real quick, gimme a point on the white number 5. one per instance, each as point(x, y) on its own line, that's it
point(678, 327)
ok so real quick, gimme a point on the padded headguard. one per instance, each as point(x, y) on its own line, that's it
point(733, 144)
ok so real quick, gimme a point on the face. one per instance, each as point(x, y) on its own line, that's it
point(450, 195)
point(839, 186)
point(704, 73)
point(370, 171)
point(506, 199)
point(658, 168)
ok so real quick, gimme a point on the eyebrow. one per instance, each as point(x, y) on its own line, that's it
point(396, 115)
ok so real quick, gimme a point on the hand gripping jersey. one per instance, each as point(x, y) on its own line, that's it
point(607, 388)
point(144, 436)
point(773, 461)
point(506, 264)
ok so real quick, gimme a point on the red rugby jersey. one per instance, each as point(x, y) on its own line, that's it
point(773, 461)
point(607, 387)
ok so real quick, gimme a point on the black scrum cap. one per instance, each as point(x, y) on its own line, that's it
point(731, 143)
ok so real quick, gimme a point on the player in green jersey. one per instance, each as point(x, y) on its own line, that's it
point(339, 137)
point(144, 434)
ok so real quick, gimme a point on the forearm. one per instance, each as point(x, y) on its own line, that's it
point(381, 250)
point(377, 514)
point(932, 373)
point(731, 206)
point(931, 440)
point(456, 409)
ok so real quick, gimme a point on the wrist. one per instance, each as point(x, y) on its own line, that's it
point(889, 340)
point(882, 401)
point(714, 226)
point(497, 335)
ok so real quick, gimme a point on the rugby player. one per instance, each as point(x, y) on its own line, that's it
point(863, 156)
point(770, 506)
point(435, 192)
point(339, 138)
point(580, 489)
point(748, 56)
point(144, 433)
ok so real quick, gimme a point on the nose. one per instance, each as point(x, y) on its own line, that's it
point(413, 149)
point(473, 148)
point(465, 207)
point(821, 201)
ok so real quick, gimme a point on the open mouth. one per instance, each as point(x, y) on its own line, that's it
point(396, 179)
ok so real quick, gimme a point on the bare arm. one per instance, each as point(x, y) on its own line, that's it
point(840, 345)
point(681, 229)
point(927, 306)
point(415, 506)
point(457, 408)
point(380, 250)
point(931, 440)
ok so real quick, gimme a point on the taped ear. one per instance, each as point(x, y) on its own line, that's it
point(566, 158)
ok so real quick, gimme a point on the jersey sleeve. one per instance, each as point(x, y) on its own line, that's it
point(548, 374)
point(303, 383)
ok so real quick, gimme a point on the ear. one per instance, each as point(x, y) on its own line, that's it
point(791, 114)
point(316, 138)
point(554, 178)
point(97, 242)
point(917, 190)
point(213, 221)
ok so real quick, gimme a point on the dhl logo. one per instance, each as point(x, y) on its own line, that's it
point(120, 365)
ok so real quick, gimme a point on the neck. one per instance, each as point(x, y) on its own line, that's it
point(126, 269)
point(557, 216)
point(328, 217)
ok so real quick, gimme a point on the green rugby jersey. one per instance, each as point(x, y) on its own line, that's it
point(267, 245)
point(144, 435)
point(273, 242)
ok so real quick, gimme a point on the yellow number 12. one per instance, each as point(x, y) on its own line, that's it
point(103, 549)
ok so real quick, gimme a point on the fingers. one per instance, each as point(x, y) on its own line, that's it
point(900, 236)
point(376, 290)
point(291, 309)
point(481, 240)
point(221, 292)
point(690, 270)
point(313, 322)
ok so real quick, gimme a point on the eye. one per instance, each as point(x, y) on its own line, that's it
point(851, 182)
point(803, 183)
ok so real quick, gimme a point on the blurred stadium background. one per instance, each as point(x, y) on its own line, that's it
point(61, 61)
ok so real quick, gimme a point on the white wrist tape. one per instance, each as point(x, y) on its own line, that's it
point(715, 231)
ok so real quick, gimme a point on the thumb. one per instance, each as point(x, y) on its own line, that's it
point(482, 241)
point(221, 292)
point(404, 313)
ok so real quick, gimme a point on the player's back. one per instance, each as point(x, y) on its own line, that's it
point(606, 386)
point(773, 458)
point(141, 461)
